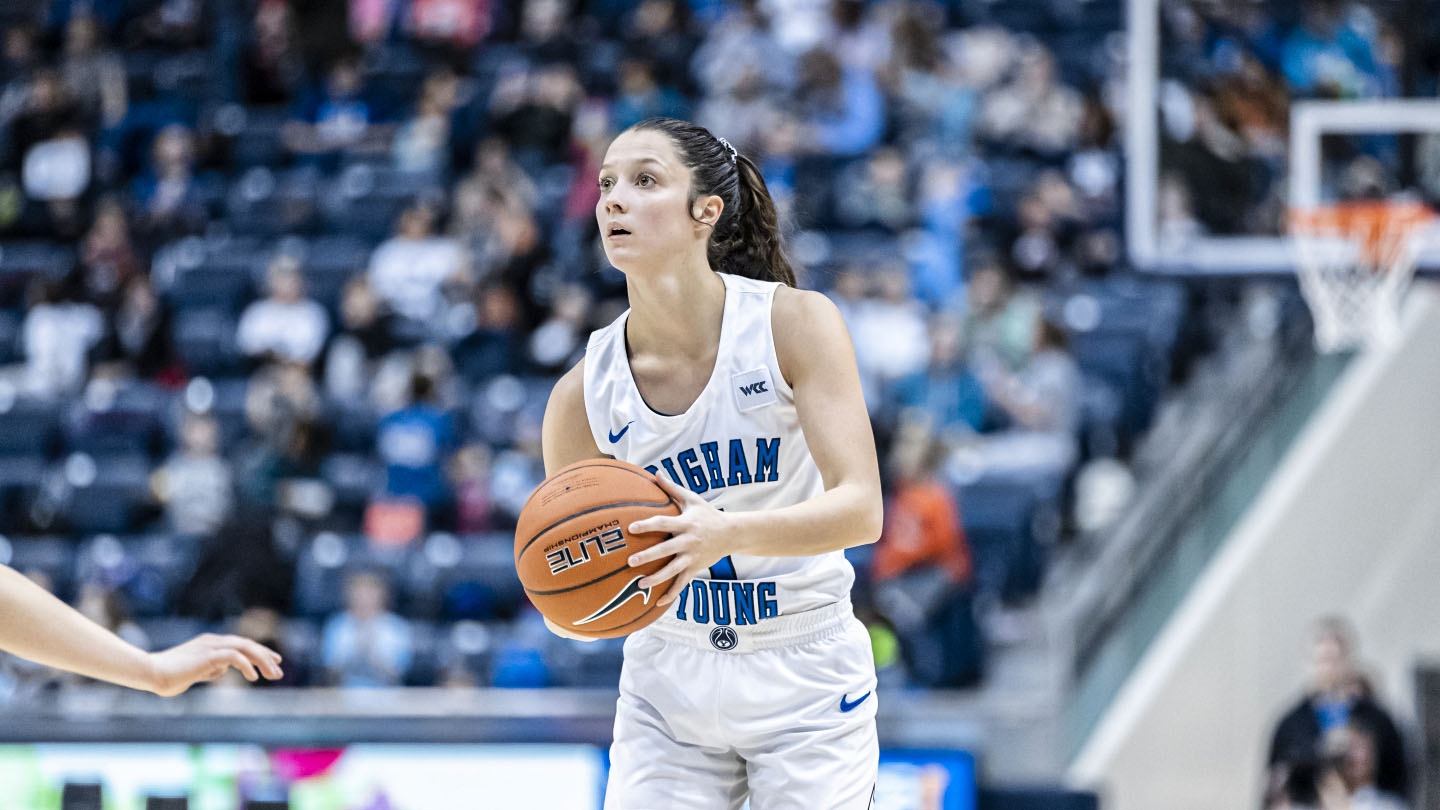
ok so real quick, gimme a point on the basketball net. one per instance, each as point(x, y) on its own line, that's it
point(1355, 262)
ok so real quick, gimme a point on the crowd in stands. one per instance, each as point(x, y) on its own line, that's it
point(1229, 74)
point(284, 287)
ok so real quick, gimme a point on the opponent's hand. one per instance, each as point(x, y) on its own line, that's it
point(698, 539)
point(207, 657)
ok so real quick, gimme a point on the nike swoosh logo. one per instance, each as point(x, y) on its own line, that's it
point(615, 437)
point(630, 591)
point(849, 705)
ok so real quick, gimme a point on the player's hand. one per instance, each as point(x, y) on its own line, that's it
point(697, 540)
point(207, 657)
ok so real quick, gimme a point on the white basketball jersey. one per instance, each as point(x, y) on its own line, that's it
point(739, 446)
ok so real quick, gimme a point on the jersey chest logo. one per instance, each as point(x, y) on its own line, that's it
point(753, 389)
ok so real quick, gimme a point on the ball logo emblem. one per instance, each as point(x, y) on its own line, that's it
point(723, 638)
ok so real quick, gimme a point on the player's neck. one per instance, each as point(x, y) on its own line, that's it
point(676, 313)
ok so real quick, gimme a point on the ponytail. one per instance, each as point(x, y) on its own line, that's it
point(753, 246)
point(746, 241)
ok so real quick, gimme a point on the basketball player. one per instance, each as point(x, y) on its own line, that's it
point(741, 394)
point(36, 626)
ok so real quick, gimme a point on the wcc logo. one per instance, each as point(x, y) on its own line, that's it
point(753, 389)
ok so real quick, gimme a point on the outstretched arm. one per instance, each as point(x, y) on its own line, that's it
point(37, 626)
point(818, 361)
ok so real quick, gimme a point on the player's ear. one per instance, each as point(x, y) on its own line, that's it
point(707, 209)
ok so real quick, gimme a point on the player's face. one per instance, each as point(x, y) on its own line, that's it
point(643, 211)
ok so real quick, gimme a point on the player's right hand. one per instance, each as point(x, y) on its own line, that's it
point(207, 657)
point(563, 633)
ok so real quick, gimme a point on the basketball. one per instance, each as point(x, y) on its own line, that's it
point(573, 544)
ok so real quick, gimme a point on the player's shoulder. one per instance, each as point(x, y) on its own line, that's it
point(800, 313)
point(569, 390)
point(808, 331)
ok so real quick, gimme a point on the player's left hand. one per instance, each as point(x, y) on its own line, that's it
point(697, 540)
point(207, 657)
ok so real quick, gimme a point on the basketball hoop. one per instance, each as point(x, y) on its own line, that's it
point(1355, 261)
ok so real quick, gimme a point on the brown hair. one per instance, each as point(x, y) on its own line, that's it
point(746, 240)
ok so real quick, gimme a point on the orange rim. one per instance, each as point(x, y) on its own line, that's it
point(1381, 227)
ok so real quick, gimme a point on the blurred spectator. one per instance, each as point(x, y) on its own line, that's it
point(661, 31)
point(458, 25)
point(365, 336)
point(558, 342)
point(922, 567)
point(1327, 55)
point(49, 149)
point(891, 341)
point(195, 484)
point(861, 39)
point(373, 21)
point(999, 321)
point(109, 256)
point(414, 443)
point(286, 325)
point(641, 96)
point(947, 392)
point(473, 503)
point(1359, 768)
point(422, 143)
point(168, 24)
point(1049, 217)
point(1338, 696)
point(340, 116)
point(169, 202)
point(105, 607)
point(408, 270)
point(94, 74)
point(842, 109)
point(935, 107)
point(1034, 110)
point(274, 67)
point(533, 112)
point(799, 25)
point(1040, 406)
point(876, 193)
point(366, 645)
point(58, 335)
point(728, 61)
point(139, 334)
point(282, 406)
point(495, 346)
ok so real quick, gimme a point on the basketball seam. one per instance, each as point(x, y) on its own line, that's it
point(528, 543)
point(598, 462)
point(600, 578)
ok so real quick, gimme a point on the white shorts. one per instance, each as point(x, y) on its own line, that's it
point(782, 712)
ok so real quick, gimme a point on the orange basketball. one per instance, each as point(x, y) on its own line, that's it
point(573, 546)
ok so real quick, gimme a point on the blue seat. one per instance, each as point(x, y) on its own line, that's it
point(120, 430)
point(115, 501)
point(20, 262)
point(53, 556)
point(29, 429)
point(999, 520)
point(257, 137)
point(458, 578)
point(327, 559)
point(165, 632)
point(205, 341)
point(274, 203)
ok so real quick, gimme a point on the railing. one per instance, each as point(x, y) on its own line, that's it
point(1185, 515)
